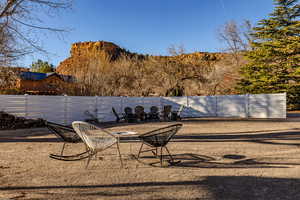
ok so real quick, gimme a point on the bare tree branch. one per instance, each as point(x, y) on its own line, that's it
point(19, 26)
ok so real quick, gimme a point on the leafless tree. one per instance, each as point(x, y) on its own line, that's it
point(236, 38)
point(175, 50)
point(20, 23)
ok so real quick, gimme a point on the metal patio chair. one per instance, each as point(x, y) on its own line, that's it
point(176, 115)
point(153, 115)
point(64, 133)
point(157, 140)
point(95, 139)
point(140, 113)
point(118, 118)
point(129, 116)
point(166, 113)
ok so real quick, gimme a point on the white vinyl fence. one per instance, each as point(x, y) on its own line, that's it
point(65, 109)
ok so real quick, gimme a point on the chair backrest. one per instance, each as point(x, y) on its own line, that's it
point(167, 112)
point(167, 108)
point(88, 132)
point(153, 109)
point(66, 133)
point(128, 110)
point(129, 116)
point(160, 137)
point(154, 113)
point(139, 112)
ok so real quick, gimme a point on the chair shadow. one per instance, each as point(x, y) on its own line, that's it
point(189, 160)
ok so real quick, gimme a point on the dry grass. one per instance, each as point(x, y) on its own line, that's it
point(152, 76)
point(220, 159)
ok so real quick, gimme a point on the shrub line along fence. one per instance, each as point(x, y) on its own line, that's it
point(65, 109)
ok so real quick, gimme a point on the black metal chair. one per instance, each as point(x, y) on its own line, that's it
point(166, 112)
point(140, 113)
point(129, 116)
point(154, 114)
point(66, 133)
point(158, 139)
point(118, 118)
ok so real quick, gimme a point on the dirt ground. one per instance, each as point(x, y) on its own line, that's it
point(220, 159)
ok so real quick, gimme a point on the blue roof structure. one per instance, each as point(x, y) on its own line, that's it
point(33, 76)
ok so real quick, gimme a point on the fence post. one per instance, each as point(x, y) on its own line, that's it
point(96, 106)
point(26, 105)
point(65, 109)
point(248, 105)
point(187, 101)
point(122, 104)
point(216, 101)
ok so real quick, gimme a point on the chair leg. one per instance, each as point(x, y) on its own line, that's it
point(161, 156)
point(169, 154)
point(62, 150)
point(119, 153)
point(88, 161)
point(140, 150)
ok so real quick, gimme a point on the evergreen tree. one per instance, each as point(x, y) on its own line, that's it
point(274, 59)
point(42, 67)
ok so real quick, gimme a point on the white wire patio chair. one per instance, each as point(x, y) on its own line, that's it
point(95, 139)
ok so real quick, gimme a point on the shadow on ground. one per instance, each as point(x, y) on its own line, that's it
point(252, 187)
point(190, 160)
point(214, 187)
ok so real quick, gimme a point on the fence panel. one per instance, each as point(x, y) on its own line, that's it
point(232, 106)
point(14, 104)
point(76, 107)
point(201, 106)
point(65, 109)
point(51, 108)
point(151, 101)
point(267, 106)
point(104, 107)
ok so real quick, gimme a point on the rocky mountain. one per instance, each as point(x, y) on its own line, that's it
point(105, 69)
point(82, 52)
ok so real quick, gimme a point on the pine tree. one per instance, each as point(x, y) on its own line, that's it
point(274, 61)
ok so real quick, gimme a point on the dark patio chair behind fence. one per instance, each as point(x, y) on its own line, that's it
point(154, 114)
point(166, 113)
point(140, 113)
point(129, 115)
point(118, 118)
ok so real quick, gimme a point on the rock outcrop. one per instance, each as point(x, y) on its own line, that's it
point(82, 52)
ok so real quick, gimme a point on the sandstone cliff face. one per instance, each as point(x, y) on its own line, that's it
point(100, 69)
point(82, 52)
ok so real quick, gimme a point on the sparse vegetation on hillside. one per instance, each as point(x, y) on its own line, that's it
point(185, 74)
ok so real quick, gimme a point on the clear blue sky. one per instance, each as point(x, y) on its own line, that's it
point(148, 26)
